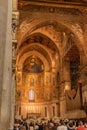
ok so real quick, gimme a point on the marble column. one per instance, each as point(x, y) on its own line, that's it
point(5, 63)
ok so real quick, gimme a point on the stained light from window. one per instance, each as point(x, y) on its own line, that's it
point(31, 95)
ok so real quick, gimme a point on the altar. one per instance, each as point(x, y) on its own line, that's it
point(33, 115)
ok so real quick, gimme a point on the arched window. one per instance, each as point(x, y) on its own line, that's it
point(31, 95)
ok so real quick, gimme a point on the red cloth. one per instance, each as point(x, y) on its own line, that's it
point(81, 128)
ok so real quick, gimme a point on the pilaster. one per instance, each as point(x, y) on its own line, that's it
point(64, 85)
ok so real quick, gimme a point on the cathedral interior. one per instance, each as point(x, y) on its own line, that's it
point(44, 71)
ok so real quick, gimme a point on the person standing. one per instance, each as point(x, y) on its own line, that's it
point(62, 126)
point(80, 126)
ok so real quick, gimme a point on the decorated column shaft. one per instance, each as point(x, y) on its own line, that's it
point(15, 16)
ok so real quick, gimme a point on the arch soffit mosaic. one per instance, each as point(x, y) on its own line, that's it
point(43, 33)
point(30, 28)
point(46, 36)
point(50, 34)
point(38, 55)
point(26, 49)
point(27, 28)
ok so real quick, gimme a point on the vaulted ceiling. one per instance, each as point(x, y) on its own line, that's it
point(45, 31)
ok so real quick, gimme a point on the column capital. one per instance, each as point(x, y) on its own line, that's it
point(15, 4)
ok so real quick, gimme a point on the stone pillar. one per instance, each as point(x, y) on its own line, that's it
point(66, 74)
point(65, 85)
point(5, 63)
point(62, 100)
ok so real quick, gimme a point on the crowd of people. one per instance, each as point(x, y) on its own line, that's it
point(69, 124)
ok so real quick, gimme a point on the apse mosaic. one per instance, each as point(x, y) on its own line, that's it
point(33, 65)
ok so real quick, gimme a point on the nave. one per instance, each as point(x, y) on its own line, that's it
point(49, 59)
point(43, 60)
